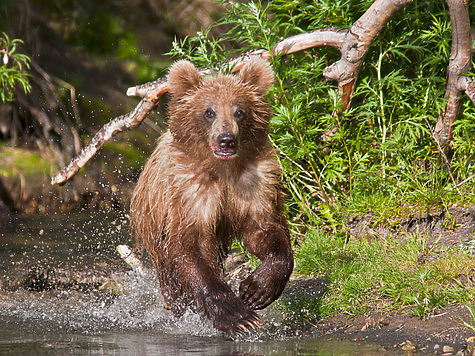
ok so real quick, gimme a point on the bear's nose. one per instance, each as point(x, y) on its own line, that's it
point(227, 141)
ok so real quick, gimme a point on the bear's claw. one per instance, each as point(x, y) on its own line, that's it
point(229, 313)
point(252, 322)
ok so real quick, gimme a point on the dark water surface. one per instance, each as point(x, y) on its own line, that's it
point(131, 321)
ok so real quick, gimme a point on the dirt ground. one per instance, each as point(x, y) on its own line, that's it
point(441, 333)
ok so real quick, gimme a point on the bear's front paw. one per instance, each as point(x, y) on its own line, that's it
point(229, 314)
point(262, 287)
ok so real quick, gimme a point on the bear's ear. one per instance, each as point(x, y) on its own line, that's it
point(182, 77)
point(258, 73)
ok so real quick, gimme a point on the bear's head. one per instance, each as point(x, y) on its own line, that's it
point(222, 116)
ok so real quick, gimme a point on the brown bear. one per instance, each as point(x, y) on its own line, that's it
point(214, 177)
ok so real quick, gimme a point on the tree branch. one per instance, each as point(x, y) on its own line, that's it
point(318, 38)
point(127, 121)
point(459, 64)
point(356, 43)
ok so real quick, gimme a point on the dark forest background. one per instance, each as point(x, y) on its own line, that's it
point(84, 55)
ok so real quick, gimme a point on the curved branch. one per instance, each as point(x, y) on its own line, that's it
point(356, 43)
point(127, 121)
point(352, 44)
point(459, 65)
point(318, 38)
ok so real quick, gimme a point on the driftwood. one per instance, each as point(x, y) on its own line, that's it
point(352, 43)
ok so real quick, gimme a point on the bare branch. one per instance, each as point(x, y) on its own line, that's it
point(353, 44)
point(459, 64)
point(150, 90)
point(119, 124)
point(356, 43)
point(318, 38)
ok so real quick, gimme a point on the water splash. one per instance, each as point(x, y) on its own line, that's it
point(77, 244)
point(138, 307)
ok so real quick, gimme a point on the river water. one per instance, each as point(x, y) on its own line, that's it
point(127, 319)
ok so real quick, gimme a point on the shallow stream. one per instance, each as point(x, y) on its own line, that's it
point(127, 320)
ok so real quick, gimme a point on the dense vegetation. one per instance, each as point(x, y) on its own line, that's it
point(379, 157)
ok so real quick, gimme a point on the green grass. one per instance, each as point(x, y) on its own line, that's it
point(471, 322)
point(15, 162)
point(381, 274)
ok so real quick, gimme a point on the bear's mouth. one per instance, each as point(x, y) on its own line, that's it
point(224, 154)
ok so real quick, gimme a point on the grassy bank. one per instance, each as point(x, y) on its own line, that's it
point(382, 274)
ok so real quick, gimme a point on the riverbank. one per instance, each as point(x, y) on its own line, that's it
point(74, 254)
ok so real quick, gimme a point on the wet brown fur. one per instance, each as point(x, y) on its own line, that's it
point(188, 204)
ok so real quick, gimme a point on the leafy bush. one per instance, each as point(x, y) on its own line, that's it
point(13, 68)
point(377, 156)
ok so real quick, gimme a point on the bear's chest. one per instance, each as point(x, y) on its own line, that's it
point(210, 197)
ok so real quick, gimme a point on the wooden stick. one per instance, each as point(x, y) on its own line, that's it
point(129, 257)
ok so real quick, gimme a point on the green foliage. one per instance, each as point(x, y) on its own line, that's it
point(126, 156)
point(471, 323)
point(381, 148)
point(378, 157)
point(12, 68)
point(102, 29)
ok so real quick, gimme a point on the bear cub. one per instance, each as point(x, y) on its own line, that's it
point(213, 177)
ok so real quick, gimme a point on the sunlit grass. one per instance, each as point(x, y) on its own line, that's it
point(386, 274)
point(15, 162)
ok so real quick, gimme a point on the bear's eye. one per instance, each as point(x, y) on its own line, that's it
point(210, 114)
point(239, 114)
